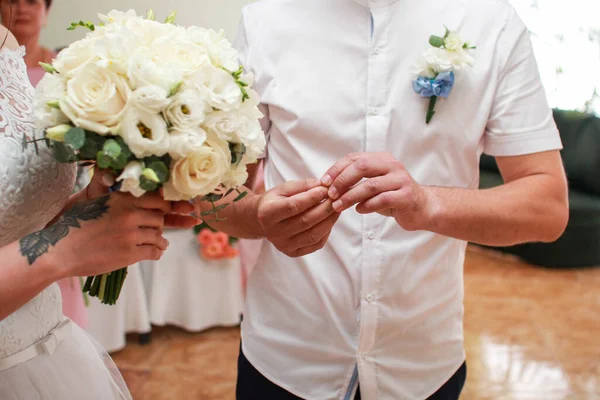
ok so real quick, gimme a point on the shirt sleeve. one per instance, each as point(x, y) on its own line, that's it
point(520, 120)
point(242, 45)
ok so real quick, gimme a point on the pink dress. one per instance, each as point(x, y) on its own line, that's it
point(72, 296)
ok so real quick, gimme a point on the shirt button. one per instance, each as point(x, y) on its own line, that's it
point(370, 297)
point(376, 51)
point(364, 356)
point(371, 235)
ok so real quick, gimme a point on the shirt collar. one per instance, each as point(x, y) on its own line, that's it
point(374, 3)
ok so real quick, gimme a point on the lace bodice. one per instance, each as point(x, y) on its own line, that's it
point(34, 188)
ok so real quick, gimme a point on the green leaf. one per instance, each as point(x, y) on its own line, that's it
point(171, 18)
point(85, 24)
point(75, 138)
point(147, 184)
point(150, 175)
point(93, 144)
point(161, 170)
point(54, 104)
point(447, 32)
point(48, 68)
point(240, 196)
point(124, 148)
point(436, 41)
point(111, 148)
point(119, 163)
point(63, 153)
point(150, 15)
point(104, 161)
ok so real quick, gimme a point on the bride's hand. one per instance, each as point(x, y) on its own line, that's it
point(105, 234)
point(178, 218)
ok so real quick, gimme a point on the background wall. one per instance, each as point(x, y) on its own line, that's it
point(216, 14)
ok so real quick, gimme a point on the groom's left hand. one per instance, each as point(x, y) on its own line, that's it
point(378, 183)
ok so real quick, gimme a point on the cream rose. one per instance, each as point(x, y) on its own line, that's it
point(49, 90)
point(187, 110)
point(182, 143)
point(222, 53)
point(229, 127)
point(178, 52)
point(75, 56)
point(148, 68)
point(200, 173)
point(96, 99)
point(131, 179)
point(237, 176)
point(145, 133)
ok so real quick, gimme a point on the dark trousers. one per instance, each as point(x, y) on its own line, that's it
point(251, 385)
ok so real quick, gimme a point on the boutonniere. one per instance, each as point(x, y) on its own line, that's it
point(436, 67)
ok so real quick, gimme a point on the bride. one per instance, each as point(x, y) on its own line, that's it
point(46, 236)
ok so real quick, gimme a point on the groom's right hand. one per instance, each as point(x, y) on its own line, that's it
point(297, 217)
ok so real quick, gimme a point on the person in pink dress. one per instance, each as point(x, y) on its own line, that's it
point(27, 18)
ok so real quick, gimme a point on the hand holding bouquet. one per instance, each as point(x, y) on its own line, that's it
point(159, 105)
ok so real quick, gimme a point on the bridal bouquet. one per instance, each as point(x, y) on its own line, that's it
point(162, 106)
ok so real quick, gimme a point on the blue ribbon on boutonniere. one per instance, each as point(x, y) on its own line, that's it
point(436, 68)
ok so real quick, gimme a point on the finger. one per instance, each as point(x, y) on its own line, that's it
point(337, 168)
point(150, 219)
point(308, 219)
point(153, 237)
point(365, 167)
point(315, 235)
point(153, 201)
point(148, 252)
point(180, 221)
point(398, 199)
point(292, 188)
point(281, 209)
point(367, 189)
point(182, 207)
point(311, 249)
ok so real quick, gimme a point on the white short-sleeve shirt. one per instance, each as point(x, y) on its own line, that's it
point(378, 305)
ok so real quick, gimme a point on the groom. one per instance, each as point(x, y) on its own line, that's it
point(367, 301)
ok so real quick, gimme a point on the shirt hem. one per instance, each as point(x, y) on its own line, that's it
point(455, 370)
point(522, 143)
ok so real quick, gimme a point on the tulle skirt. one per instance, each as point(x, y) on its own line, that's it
point(78, 369)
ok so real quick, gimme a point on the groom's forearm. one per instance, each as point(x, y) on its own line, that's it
point(239, 219)
point(530, 209)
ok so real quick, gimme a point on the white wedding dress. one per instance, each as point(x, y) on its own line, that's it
point(43, 356)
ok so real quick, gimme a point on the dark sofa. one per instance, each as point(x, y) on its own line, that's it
point(579, 246)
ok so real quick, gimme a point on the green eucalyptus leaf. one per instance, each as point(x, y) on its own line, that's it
point(104, 161)
point(212, 197)
point(64, 153)
point(119, 163)
point(147, 184)
point(161, 170)
point(75, 138)
point(111, 148)
point(436, 41)
point(93, 144)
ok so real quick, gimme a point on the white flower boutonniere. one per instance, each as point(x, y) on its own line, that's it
point(436, 67)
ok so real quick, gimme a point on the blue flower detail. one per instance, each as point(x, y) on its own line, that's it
point(439, 87)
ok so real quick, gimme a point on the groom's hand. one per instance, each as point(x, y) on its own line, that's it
point(377, 182)
point(297, 217)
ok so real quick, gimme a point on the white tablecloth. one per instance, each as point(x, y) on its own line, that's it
point(188, 291)
point(109, 324)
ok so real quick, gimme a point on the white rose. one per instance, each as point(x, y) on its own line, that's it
point(178, 52)
point(182, 143)
point(227, 126)
point(150, 99)
point(75, 56)
point(146, 67)
point(51, 88)
point(96, 99)
point(131, 179)
point(453, 42)
point(145, 133)
point(200, 173)
point(187, 110)
point(218, 87)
